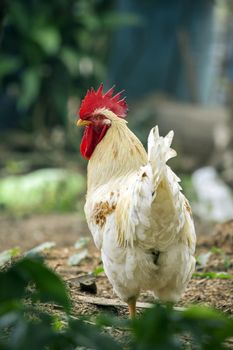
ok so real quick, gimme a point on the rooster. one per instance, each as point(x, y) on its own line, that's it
point(135, 210)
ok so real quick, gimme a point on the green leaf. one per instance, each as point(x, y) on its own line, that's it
point(8, 320)
point(36, 335)
point(90, 21)
point(12, 284)
point(98, 271)
point(165, 327)
point(202, 312)
point(7, 255)
point(49, 287)
point(10, 306)
point(48, 38)
point(8, 65)
point(218, 275)
point(209, 327)
point(30, 87)
point(71, 60)
point(58, 323)
point(90, 337)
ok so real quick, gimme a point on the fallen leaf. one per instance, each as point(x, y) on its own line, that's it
point(40, 248)
point(203, 259)
point(76, 258)
point(82, 242)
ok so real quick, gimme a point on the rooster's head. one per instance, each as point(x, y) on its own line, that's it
point(96, 113)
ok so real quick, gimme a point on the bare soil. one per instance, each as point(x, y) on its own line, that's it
point(65, 230)
point(29, 231)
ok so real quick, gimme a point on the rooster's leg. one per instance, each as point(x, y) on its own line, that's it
point(132, 307)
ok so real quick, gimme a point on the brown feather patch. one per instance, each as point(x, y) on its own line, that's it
point(101, 211)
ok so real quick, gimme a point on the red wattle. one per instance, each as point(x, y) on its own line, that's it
point(92, 136)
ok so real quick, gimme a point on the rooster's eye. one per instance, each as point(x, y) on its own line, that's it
point(99, 117)
point(100, 120)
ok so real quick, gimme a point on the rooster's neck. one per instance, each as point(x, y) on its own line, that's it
point(118, 154)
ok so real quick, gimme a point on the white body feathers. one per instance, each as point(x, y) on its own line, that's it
point(138, 216)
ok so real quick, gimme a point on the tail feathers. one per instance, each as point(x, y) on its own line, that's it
point(159, 151)
point(159, 146)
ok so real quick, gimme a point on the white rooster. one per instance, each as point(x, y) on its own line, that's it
point(136, 212)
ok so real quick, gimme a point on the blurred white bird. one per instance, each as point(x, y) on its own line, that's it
point(215, 201)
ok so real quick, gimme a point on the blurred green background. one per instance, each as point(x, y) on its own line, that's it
point(173, 58)
point(51, 53)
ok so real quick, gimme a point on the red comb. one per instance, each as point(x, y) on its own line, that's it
point(96, 100)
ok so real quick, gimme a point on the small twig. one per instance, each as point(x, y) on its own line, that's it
point(117, 302)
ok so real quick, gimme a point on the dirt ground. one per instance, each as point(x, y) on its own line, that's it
point(29, 231)
point(89, 294)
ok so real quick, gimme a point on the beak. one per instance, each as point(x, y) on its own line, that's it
point(81, 122)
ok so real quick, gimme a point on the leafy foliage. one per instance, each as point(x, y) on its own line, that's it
point(208, 328)
point(163, 328)
point(48, 285)
point(25, 325)
point(52, 50)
